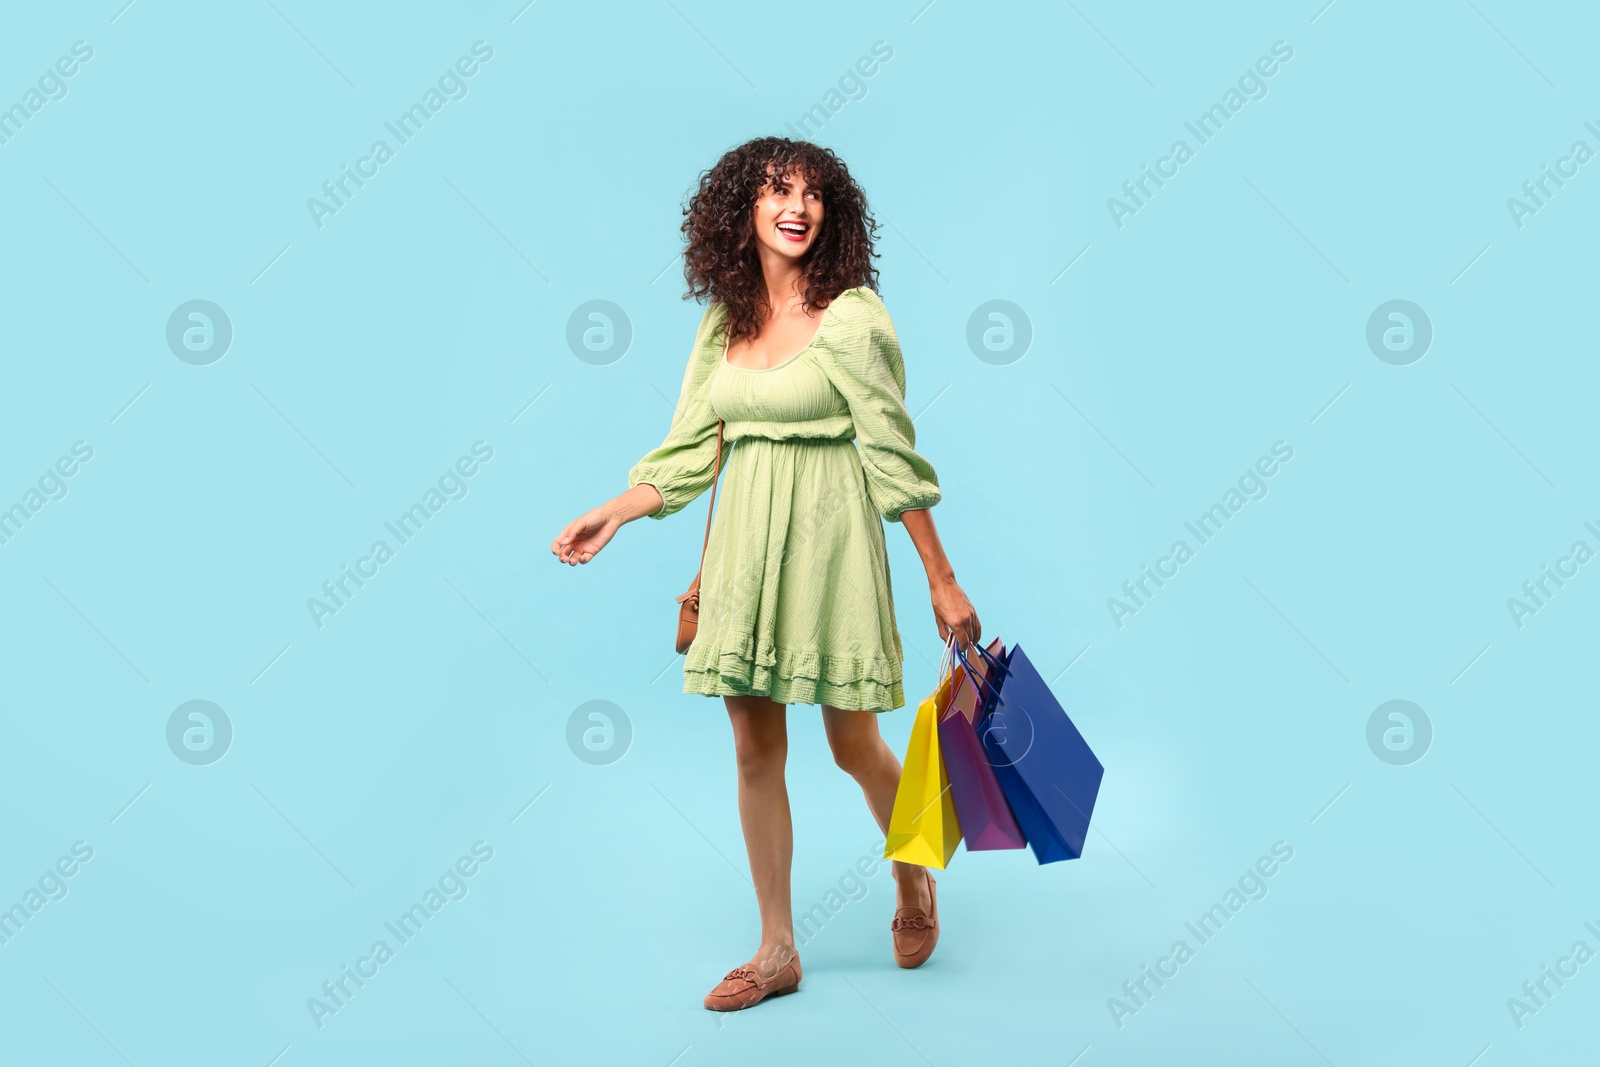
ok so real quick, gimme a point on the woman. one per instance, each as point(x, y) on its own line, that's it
point(797, 355)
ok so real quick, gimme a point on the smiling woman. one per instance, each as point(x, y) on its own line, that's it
point(795, 358)
point(791, 211)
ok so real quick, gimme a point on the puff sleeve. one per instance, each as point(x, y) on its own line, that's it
point(682, 466)
point(868, 370)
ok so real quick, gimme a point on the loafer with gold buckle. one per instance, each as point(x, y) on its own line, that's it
point(743, 987)
point(916, 931)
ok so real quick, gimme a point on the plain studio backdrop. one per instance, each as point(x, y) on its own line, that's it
point(243, 346)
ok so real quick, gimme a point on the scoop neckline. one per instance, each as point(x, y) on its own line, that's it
point(815, 337)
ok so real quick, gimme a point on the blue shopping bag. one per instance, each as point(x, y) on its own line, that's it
point(1046, 769)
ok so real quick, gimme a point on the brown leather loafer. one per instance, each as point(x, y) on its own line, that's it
point(916, 931)
point(743, 987)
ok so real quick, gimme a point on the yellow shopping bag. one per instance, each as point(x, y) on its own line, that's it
point(922, 827)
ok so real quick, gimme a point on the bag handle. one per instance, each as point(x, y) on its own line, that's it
point(986, 654)
point(947, 662)
point(976, 677)
point(953, 657)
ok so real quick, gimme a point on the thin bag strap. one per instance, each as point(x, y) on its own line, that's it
point(986, 654)
point(712, 506)
point(976, 678)
point(954, 657)
point(947, 662)
point(717, 471)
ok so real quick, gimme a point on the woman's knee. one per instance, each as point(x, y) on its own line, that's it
point(760, 737)
point(856, 744)
point(854, 756)
point(759, 754)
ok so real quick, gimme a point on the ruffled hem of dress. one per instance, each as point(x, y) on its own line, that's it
point(853, 696)
point(851, 683)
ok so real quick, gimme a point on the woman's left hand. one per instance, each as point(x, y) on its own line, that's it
point(955, 613)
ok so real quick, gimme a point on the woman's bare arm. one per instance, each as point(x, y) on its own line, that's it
point(586, 535)
point(643, 499)
point(951, 608)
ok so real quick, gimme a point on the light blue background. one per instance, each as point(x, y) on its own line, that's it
point(1229, 313)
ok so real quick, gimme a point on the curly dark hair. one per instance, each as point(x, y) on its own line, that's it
point(720, 259)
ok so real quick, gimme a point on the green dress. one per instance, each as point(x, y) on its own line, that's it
point(795, 600)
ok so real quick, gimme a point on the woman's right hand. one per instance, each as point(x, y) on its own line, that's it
point(585, 536)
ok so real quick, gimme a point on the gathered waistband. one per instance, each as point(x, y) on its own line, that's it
point(840, 427)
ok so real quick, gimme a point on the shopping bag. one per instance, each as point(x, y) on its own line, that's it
point(987, 822)
point(1046, 770)
point(922, 826)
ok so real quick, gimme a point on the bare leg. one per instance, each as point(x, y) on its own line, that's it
point(860, 751)
point(761, 745)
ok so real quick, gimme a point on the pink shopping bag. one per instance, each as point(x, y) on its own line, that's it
point(986, 818)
